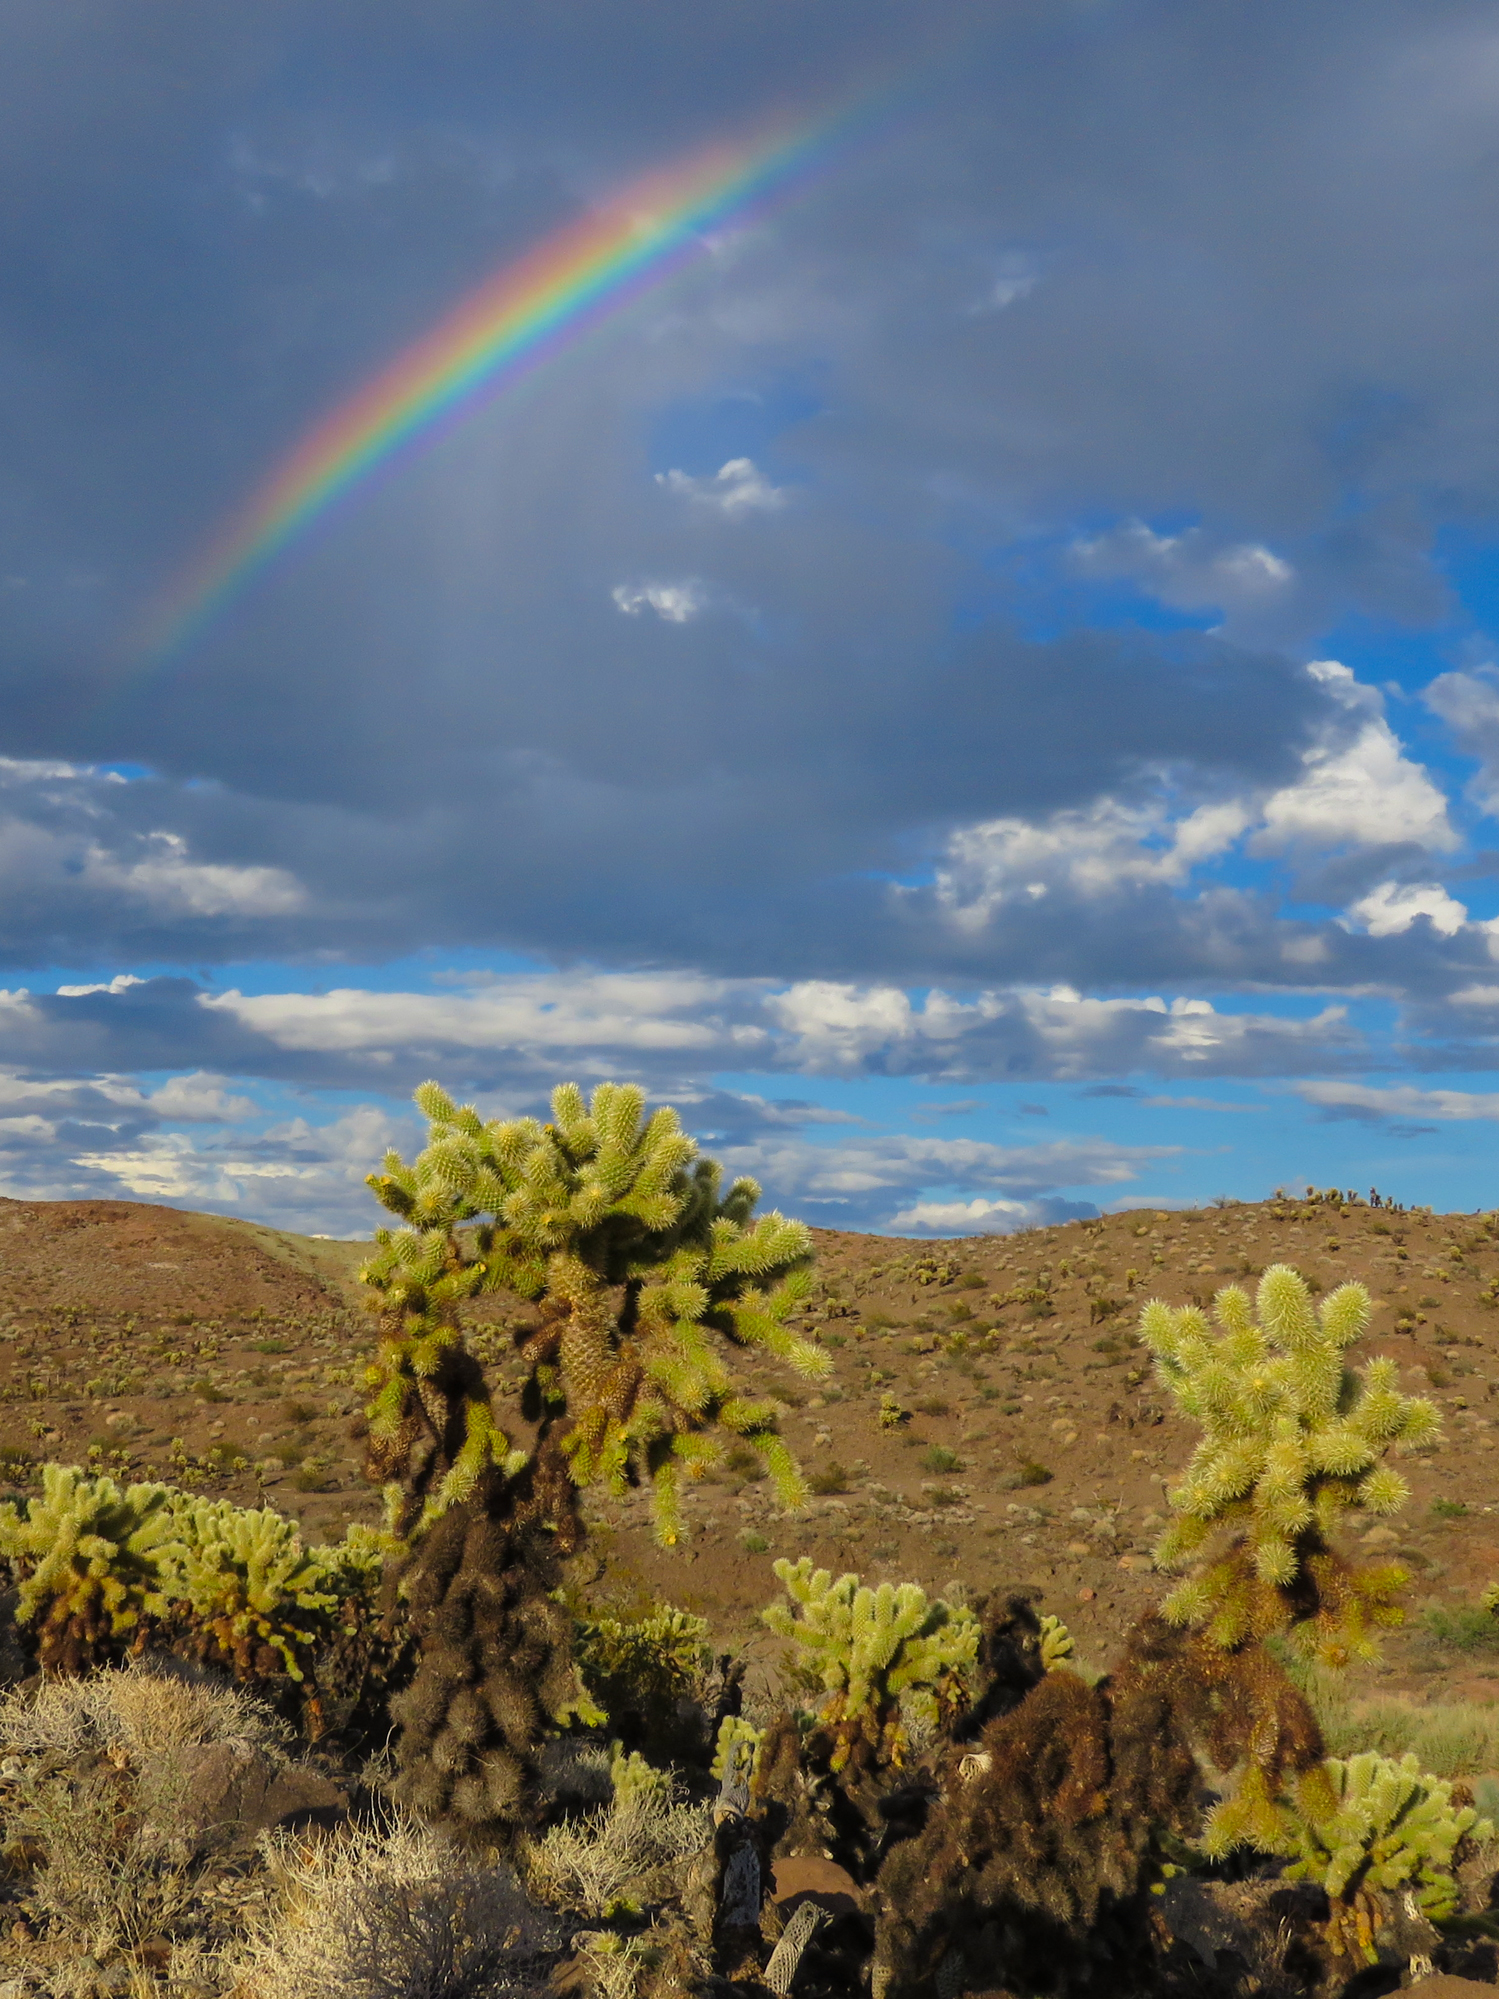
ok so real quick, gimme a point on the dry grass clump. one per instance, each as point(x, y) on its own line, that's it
point(393, 1912)
point(136, 1709)
point(600, 1862)
point(94, 1769)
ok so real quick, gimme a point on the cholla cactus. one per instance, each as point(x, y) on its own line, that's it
point(868, 1647)
point(647, 1666)
point(89, 1557)
point(1365, 1827)
point(1293, 1439)
point(253, 1595)
point(736, 1752)
point(1056, 1644)
point(645, 1270)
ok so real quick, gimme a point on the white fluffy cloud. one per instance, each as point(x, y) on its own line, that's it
point(1360, 793)
point(737, 488)
point(1189, 570)
point(1089, 852)
point(1392, 907)
point(673, 603)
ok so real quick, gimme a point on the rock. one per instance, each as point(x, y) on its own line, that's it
point(233, 1792)
point(1444, 1985)
point(807, 1878)
point(17, 1988)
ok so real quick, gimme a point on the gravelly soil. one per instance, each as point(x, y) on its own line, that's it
point(228, 1356)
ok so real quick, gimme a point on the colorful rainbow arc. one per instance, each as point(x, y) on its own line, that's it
point(529, 311)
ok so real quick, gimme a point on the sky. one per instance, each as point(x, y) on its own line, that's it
point(978, 682)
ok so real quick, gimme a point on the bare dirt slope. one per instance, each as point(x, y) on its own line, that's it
point(222, 1354)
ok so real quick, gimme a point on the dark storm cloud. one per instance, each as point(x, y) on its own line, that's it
point(1105, 263)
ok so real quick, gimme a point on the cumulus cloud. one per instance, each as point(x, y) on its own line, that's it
point(1365, 792)
point(737, 488)
point(1392, 907)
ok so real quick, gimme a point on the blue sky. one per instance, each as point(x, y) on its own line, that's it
point(982, 690)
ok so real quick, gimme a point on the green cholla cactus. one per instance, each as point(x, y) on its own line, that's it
point(637, 1784)
point(645, 1270)
point(1365, 1827)
point(1293, 1439)
point(1056, 1643)
point(255, 1597)
point(867, 1647)
point(736, 1751)
point(89, 1557)
point(645, 1667)
point(892, 1415)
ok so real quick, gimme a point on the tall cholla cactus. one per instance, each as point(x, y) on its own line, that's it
point(90, 1561)
point(868, 1647)
point(1293, 1439)
point(645, 1273)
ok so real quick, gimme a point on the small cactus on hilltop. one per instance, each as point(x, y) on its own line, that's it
point(1293, 1439)
point(1362, 1828)
point(867, 1647)
point(88, 1556)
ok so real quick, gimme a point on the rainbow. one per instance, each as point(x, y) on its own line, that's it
point(501, 332)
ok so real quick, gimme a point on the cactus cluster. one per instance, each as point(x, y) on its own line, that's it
point(1369, 1826)
point(646, 1272)
point(867, 1647)
point(253, 1595)
point(641, 1670)
point(1292, 1440)
point(102, 1568)
point(89, 1555)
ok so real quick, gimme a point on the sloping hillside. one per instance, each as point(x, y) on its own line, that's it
point(215, 1351)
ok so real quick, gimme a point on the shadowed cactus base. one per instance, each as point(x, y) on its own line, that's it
point(1293, 1439)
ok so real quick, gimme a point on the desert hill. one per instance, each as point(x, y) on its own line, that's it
point(989, 1420)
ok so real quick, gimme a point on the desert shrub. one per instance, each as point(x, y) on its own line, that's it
point(831, 1478)
point(106, 1762)
point(1448, 1739)
point(601, 1863)
point(939, 1457)
point(1463, 1627)
point(867, 1648)
point(389, 1912)
point(753, 1542)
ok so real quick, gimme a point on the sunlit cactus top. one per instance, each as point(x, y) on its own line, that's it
point(646, 1272)
point(1292, 1439)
